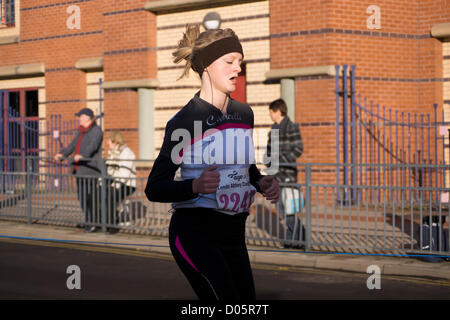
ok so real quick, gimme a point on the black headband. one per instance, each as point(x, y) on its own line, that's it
point(213, 51)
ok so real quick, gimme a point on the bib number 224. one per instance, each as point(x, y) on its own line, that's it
point(233, 202)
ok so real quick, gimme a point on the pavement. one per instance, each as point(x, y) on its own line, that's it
point(282, 258)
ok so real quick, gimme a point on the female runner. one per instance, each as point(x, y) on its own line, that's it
point(210, 138)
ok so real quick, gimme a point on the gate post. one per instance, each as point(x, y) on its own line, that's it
point(100, 98)
point(308, 206)
point(338, 159)
point(103, 195)
point(436, 184)
point(345, 129)
point(28, 169)
point(349, 190)
point(353, 133)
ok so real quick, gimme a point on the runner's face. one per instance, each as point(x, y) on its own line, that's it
point(224, 72)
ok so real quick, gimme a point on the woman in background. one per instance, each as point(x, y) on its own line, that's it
point(121, 170)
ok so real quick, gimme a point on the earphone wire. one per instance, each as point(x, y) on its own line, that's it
point(212, 102)
point(221, 110)
point(212, 94)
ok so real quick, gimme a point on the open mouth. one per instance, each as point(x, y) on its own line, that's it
point(233, 79)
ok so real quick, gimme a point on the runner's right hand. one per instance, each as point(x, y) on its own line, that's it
point(270, 188)
point(208, 182)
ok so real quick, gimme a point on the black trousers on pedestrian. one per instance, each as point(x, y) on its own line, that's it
point(209, 247)
point(295, 230)
point(115, 197)
point(87, 190)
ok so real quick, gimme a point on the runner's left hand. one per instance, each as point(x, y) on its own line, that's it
point(270, 188)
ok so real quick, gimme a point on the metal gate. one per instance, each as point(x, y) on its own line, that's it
point(19, 136)
point(372, 134)
point(22, 135)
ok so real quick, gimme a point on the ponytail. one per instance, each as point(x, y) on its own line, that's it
point(186, 47)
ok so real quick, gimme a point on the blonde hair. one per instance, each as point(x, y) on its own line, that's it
point(117, 137)
point(194, 41)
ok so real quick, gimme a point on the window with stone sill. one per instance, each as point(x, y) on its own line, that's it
point(7, 14)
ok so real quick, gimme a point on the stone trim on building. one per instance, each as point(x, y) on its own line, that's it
point(441, 31)
point(23, 70)
point(172, 6)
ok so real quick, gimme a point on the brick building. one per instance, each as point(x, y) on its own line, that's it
point(53, 53)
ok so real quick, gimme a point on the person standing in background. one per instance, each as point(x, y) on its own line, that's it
point(290, 148)
point(121, 170)
point(87, 144)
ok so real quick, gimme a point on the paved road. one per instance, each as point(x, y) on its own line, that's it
point(38, 270)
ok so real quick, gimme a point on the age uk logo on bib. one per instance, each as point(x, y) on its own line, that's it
point(235, 194)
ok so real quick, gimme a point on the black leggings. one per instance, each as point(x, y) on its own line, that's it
point(209, 247)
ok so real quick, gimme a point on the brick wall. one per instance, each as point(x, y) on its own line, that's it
point(121, 31)
point(399, 65)
point(129, 53)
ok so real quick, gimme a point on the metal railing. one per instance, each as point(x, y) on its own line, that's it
point(335, 217)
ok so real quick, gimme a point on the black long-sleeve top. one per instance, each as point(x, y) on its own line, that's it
point(199, 136)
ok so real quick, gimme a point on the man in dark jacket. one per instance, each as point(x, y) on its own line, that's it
point(87, 144)
point(290, 148)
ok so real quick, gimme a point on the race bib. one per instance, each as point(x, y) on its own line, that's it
point(235, 194)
